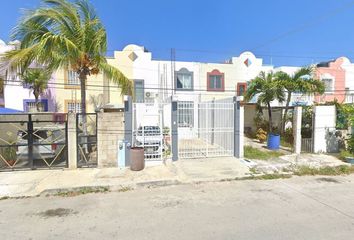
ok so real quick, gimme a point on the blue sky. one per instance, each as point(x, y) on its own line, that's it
point(283, 32)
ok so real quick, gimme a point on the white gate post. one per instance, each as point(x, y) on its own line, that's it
point(238, 127)
point(72, 141)
point(297, 120)
point(174, 129)
point(128, 126)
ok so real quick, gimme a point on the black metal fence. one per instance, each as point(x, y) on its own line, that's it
point(86, 140)
point(33, 141)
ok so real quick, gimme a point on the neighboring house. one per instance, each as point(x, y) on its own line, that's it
point(20, 97)
point(333, 75)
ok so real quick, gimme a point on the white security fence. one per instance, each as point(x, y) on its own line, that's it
point(150, 130)
point(205, 129)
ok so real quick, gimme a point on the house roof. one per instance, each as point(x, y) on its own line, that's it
point(8, 110)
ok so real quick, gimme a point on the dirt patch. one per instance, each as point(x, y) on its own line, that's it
point(58, 212)
point(329, 180)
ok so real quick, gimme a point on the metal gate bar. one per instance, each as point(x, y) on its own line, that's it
point(210, 130)
point(86, 140)
point(33, 141)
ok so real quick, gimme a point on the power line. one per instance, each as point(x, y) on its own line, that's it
point(151, 88)
point(308, 24)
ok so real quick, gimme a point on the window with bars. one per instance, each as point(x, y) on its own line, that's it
point(74, 107)
point(185, 114)
point(29, 105)
point(73, 78)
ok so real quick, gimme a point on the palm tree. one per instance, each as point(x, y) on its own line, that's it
point(69, 35)
point(301, 81)
point(37, 80)
point(267, 89)
point(2, 84)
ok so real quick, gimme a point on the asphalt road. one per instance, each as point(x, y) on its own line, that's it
point(298, 208)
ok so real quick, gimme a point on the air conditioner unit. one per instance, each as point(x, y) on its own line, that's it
point(151, 95)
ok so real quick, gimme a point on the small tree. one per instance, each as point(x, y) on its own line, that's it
point(302, 81)
point(267, 89)
point(1, 84)
point(37, 79)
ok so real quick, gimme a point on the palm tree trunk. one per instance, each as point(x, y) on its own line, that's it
point(283, 121)
point(36, 97)
point(270, 119)
point(83, 78)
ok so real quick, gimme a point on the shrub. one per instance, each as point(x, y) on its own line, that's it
point(351, 144)
point(288, 135)
point(261, 135)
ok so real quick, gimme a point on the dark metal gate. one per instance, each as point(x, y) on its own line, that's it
point(86, 139)
point(33, 141)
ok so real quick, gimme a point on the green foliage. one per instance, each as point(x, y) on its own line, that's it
point(255, 153)
point(267, 89)
point(2, 84)
point(166, 131)
point(261, 135)
point(37, 79)
point(8, 153)
point(350, 144)
point(260, 122)
point(302, 81)
point(344, 154)
point(64, 34)
point(348, 112)
point(327, 171)
point(288, 136)
point(306, 125)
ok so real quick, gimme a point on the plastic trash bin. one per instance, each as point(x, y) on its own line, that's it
point(137, 161)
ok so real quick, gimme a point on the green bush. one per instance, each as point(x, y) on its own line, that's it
point(350, 143)
point(344, 154)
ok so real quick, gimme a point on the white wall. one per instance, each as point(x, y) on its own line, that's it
point(324, 125)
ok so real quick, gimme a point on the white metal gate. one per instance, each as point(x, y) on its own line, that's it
point(149, 129)
point(205, 129)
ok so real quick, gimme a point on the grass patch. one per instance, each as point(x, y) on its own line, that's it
point(286, 144)
point(344, 154)
point(325, 171)
point(255, 153)
point(82, 191)
point(271, 176)
point(125, 189)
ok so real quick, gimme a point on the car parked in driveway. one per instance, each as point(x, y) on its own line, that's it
point(151, 139)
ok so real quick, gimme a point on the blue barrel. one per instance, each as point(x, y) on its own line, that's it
point(273, 142)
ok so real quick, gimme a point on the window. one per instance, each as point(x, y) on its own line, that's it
point(184, 80)
point(215, 81)
point(185, 114)
point(29, 105)
point(139, 91)
point(74, 107)
point(328, 82)
point(73, 78)
point(241, 89)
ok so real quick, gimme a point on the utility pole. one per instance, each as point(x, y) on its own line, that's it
point(173, 69)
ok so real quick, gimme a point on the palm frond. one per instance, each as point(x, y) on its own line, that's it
point(118, 77)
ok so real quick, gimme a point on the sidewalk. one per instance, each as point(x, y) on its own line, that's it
point(33, 183)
